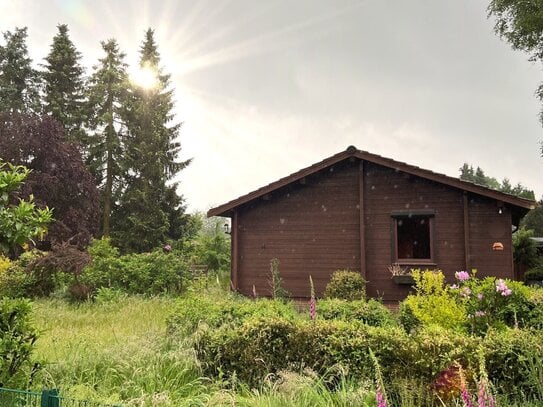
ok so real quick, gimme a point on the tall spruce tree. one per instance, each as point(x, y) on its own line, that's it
point(64, 85)
point(150, 211)
point(106, 97)
point(19, 83)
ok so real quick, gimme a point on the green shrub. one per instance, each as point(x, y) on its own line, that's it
point(194, 310)
point(5, 263)
point(534, 318)
point(22, 280)
point(346, 285)
point(265, 346)
point(370, 312)
point(494, 303)
point(105, 267)
point(535, 273)
point(511, 357)
point(17, 338)
point(433, 303)
point(106, 295)
point(407, 319)
point(524, 248)
point(146, 273)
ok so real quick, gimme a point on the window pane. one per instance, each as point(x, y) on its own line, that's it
point(413, 238)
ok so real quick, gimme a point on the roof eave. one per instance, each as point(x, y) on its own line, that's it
point(228, 208)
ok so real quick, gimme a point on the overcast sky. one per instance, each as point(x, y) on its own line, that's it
point(265, 88)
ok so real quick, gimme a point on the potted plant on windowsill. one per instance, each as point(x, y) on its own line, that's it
point(400, 275)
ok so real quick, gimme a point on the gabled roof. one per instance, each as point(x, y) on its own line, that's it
point(227, 208)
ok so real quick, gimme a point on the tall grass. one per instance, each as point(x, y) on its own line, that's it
point(119, 353)
point(116, 352)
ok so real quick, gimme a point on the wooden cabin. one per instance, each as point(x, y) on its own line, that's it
point(363, 212)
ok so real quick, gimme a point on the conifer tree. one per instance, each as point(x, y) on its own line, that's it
point(150, 210)
point(106, 95)
point(19, 84)
point(64, 85)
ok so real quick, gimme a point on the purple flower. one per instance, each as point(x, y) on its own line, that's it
point(381, 402)
point(480, 296)
point(507, 292)
point(480, 313)
point(485, 398)
point(465, 292)
point(501, 287)
point(466, 398)
point(167, 248)
point(462, 275)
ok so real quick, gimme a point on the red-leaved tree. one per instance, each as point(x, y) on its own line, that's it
point(59, 177)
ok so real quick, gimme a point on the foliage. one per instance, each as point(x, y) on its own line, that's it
point(433, 303)
point(19, 85)
point(510, 357)
point(146, 273)
point(370, 312)
point(57, 268)
point(346, 285)
point(535, 273)
point(106, 94)
point(534, 318)
point(17, 338)
point(521, 24)
point(195, 310)
point(493, 303)
point(105, 295)
point(5, 264)
point(211, 246)
point(275, 281)
point(327, 347)
point(524, 248)
point(18, 223)
point(115, 351)
point(467, 173)
point(59, 178)
point(22, 280)
point(534, 220)
point(64, 85)
point(150, 211)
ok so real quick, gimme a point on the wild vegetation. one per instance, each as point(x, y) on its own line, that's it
point(208, 346)
point(131, 299)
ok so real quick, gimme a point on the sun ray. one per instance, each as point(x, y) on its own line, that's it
point(258, 44)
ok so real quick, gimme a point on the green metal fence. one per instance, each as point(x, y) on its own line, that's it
point(45, 398)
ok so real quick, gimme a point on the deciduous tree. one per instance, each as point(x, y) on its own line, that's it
point(59, 177)
point(520, 23)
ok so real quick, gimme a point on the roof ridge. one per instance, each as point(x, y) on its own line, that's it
point(352, 151)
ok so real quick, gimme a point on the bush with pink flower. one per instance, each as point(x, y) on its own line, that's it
point(492, 302)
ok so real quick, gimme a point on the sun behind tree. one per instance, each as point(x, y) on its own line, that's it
point(145, 76)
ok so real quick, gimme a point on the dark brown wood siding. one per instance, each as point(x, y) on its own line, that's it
point(486, 227)
point(388, 191)
point(311, 226)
